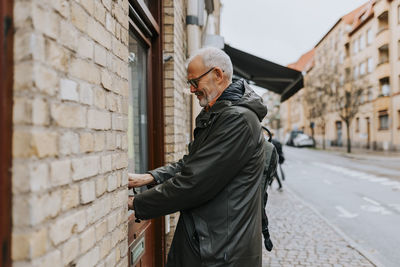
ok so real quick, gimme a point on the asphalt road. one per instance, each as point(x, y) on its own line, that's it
point(360, 195)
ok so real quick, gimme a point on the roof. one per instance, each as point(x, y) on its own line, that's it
point(305, 62)
point(269, 75)
point(349, 18)
point(363, 14)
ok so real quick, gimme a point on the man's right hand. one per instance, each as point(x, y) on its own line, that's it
point(138, 180)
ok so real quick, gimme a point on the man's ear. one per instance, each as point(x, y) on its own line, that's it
point(219, 73)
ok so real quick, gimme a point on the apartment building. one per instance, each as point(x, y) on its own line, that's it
point(361, 51)
point(90, 90)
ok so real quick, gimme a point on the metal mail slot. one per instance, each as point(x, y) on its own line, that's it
point(137, 251)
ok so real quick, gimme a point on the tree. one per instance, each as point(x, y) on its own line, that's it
point(347, 102)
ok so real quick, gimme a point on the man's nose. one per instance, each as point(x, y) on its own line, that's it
point(193, 89)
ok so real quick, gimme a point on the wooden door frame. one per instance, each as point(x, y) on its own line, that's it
point(6, 89)
point(152, 18)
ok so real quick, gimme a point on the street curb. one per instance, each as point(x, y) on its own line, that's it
point(350, 241)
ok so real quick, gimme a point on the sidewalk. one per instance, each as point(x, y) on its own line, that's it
point(361, 153)
point(301, 237)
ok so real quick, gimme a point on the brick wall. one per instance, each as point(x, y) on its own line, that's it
point(69, 140)
point(177, 94)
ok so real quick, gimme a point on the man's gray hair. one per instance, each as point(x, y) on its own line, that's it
point(214, 57)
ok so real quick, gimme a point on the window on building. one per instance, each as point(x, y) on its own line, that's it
point(370, 65)
point(370, 93)
point(383, 21)
point(369, 36)
point(362, 42)
point(398, 119)
point(355, 46)
point(355, 72)
point(398, 14)
point(383, 54)
point(384, 84)
point(362, 69)
point(383, 120)
point(357, 125)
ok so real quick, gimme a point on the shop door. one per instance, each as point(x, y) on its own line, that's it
point(145, 126)
point(6, 83)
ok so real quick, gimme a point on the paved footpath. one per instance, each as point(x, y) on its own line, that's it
point(302, 237)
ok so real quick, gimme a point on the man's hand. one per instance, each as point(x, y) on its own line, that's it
point(130, 203)
point(138, 180)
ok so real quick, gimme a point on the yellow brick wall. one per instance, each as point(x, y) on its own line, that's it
point(69, 141)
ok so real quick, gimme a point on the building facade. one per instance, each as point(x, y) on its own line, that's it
point(361, 51)
point(98, 91)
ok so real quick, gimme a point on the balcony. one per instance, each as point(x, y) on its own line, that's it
point(381, 7)
point(382, 38)
point(382, 70)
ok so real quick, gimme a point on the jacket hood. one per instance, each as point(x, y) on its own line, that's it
point(241, 94)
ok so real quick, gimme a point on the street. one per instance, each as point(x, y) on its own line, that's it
point(358, 195)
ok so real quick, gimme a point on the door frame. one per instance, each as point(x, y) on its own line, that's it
point(6, 89)
point(152, 35)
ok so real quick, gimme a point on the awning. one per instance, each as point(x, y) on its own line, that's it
point(264, 73)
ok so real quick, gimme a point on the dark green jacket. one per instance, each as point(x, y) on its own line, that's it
point(216, 187)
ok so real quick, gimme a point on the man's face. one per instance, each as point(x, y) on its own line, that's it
point(207, 89)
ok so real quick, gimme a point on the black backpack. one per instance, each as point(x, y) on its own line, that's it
point(271, 163)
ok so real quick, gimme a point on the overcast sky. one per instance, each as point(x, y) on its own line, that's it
point(280, 30)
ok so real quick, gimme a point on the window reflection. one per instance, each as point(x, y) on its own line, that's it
point(137, 116)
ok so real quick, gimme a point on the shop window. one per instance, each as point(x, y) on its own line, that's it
point(383, 120)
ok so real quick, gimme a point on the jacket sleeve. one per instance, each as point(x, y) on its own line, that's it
point(164, 173)
point(204, 173)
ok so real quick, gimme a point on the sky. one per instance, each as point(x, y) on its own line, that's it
point(280, 30)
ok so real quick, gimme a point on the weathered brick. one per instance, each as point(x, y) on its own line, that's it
point(86, 94)
point(99, 120)
point(79, 17)
point(85, 167)
point(38, 243)
point(44, 144)
point(89, 259)
point(85, 47)
point(105, 246)
point(69, 116)
point(44, 206)
point(69, 143)
point(100, 55)
point(99, 33)
point(46, 80)
point(20, 246)
point(63, 228)
point(88, 5)
point(87, 240)
point(22, 110)
point(99, 98)
point(57, 56)
point(69, 251)
point(86, 142)
point(112, 182)
point(40, 112)
point(70, 197)
point(119, 161)
point(101, 230)
point(119, 49)
point(84, 70)
point(110, 23)
point(60, 172)
point(69, 36)
point(99, 12)
point(106, 80)
point(106, 163)
point(110, 260)
point(46, 22)
point(38, 177)
point(52, 259)
point(87, 192)
point(23, 74)
point(101, 186)
point(20, 211)
point(99, 141)
point(68, 90)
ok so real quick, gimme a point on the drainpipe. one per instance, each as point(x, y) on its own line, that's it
point(193, 44)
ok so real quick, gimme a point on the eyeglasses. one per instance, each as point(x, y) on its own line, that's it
point(195, 82)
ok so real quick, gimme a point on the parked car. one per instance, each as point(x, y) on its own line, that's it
point(291, 136)
point(303, 140)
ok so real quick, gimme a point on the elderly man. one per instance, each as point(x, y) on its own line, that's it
point(216, 187)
